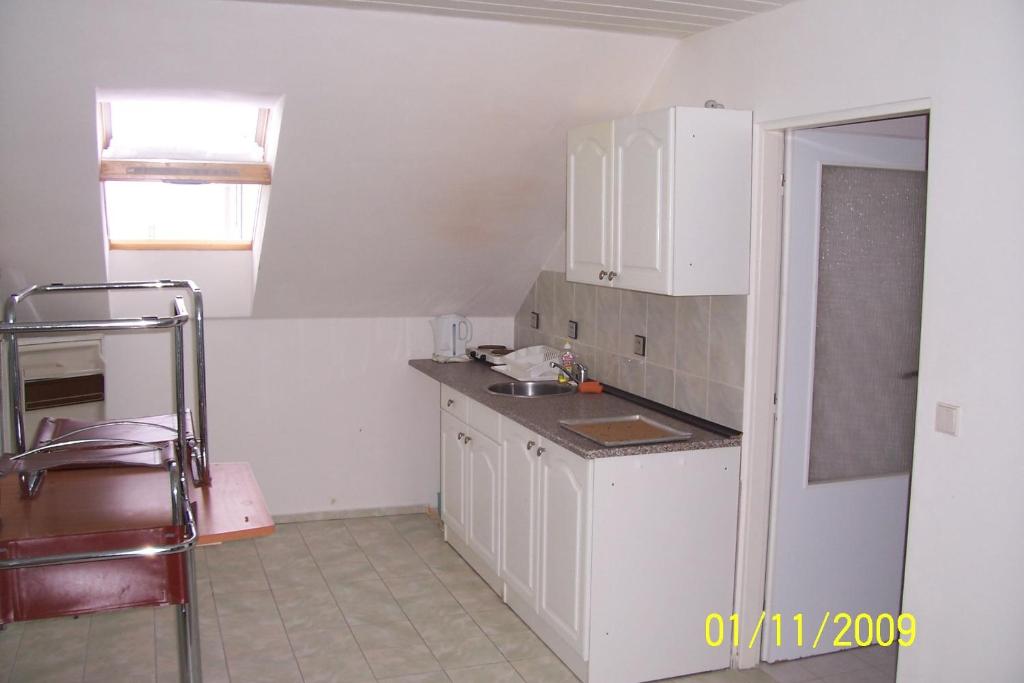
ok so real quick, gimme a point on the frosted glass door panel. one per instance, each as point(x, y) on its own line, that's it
point(868, 323)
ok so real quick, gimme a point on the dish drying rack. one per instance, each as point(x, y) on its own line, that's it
point(85, 525)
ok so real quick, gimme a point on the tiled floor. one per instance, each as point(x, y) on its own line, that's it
point(370, 599)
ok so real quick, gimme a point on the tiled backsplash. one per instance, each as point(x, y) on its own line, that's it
point(694, 359)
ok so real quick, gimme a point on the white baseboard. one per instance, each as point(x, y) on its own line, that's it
point(351, 514)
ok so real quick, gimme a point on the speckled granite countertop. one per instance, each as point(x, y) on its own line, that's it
point(542, 414)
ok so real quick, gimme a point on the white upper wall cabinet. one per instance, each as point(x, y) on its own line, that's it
point(589, 201)
point(673, 214)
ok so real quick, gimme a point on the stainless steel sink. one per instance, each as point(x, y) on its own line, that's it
point(530, 389)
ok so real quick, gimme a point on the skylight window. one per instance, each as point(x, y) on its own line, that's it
point(182, 173)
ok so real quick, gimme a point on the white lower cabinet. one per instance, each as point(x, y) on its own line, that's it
point(453, 474)
point(564, 535)
point(483, 468)
point(615, 563)
point(519, 513)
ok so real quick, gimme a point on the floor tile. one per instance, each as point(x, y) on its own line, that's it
point(367, 602)
point(869, 675)
point(498, 621)
point(833, 663)
point(877, 655)
point(372, 530)
point(436, 630)
point(393, 662)
point(300, 572)
point(304, 609)
point(432, 677)
point(39, 660)
point(352, 568)
point(235, 567)
point(475, 595)
point(264, 670)
point(332, 532)
point(393, 634)
point(248, 609)
point(460, 653)
point(547, 669)
point(329, 656)
point(121, 645)
point(788, 672)
point(10, 639)
point(520, 646)
point(491, 673)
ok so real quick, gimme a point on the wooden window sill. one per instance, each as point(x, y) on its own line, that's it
point(174, 245)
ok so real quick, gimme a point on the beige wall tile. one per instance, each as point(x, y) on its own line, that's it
point(727, 339)
point(691, 395)
point(691, 342)
point(609, 304)
point(632, 321)
point(725, 405)
point(584, 312)
point(631, 375)
point(564, 296)
point(659, 384)
point(661, 330)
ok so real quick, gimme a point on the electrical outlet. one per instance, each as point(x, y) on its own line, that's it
point(573, 329)
point(535, 320)
point(639, 345)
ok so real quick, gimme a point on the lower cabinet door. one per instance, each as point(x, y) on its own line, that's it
point(565, 521)
point(483, 481)
point(453, 475)
point(519, 468)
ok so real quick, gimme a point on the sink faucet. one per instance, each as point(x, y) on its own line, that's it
point(577, 373)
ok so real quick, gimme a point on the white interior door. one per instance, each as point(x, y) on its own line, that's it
point(838, 545)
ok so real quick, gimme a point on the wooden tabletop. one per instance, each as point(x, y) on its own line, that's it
point(108, 499)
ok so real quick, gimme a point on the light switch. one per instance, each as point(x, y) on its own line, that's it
point(535, 320)
point(947, 418)
point(573, 329)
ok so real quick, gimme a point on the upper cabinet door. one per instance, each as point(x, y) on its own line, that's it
point(644, 161)
point(588, 241)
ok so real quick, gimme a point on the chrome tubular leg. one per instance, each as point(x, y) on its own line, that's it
point(189, 656)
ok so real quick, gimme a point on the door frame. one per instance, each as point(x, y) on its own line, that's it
point(760, 440)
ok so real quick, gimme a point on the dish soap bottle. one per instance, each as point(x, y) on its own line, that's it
point(568, 359)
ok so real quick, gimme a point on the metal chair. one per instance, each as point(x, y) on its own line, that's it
point(86, 543)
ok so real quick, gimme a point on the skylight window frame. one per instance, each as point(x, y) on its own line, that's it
point(184, 171)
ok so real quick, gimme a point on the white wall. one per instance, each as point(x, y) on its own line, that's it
point(225, 277)
point(420, 164)
point(327, 411)
point(964, 555)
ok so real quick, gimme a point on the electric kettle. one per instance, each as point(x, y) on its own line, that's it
point(451, 332)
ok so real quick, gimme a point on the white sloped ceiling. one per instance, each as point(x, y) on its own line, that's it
point(420, 167)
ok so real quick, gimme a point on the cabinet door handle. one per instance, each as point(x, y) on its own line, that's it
point(602, 274)
point(461, 436)
point(451, 402)
point(530, 445)
point(540, 451)
point(467, 439)
point(612, 275)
